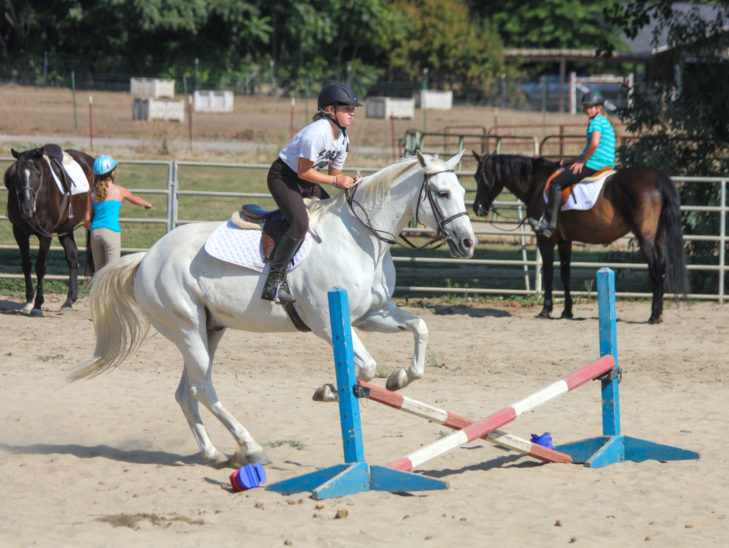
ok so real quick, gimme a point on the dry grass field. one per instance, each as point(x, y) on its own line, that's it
point(252, 133)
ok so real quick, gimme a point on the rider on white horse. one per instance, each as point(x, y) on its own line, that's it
point(296, 174)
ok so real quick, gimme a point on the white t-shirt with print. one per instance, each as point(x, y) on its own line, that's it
point(315, 143)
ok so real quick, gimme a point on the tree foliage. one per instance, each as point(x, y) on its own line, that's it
point(284, 43)
point(441, 36)
point(681, 113)
point(555, 24)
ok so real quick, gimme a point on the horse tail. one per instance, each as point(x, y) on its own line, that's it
point(670, 220)
point(119, 324)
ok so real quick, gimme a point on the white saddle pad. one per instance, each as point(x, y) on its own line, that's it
point(74, 171)
point(242, 247)
point(584, 195)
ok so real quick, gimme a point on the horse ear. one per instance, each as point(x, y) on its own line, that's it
point(421, 158)
point(476, 155)
point(453, 162)
point(15, 153)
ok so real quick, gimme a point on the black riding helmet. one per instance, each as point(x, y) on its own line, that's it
point(337, 94)
point(593, 98)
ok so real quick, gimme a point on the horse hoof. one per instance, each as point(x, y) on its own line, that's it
point(36, 312)
point(241, 458)
point(397, 380)
point(66, 309)
point(218, 460)
point(543, 314)
point(566, 315)
point(258, 456)
point(655, 320)
point(326, 393)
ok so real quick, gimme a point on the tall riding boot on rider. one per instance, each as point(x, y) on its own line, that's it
point(548, 222)
point(276, 289)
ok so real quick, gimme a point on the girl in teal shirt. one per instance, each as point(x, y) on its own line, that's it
point(102, 214)
point(599, 152)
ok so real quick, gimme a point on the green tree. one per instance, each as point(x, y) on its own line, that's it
point(555, 24)
point(323, 40)
point(152, 37)
point(439, 35)
point(681, 113)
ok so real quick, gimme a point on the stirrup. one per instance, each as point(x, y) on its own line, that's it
point(541, 226)
point(282, 295)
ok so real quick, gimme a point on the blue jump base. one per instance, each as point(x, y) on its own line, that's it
point(612, 446)
point(356, 476)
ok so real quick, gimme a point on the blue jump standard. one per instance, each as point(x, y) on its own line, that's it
point(612, 446)
point(355, 476)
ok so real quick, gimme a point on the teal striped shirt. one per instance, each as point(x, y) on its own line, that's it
point(604, 156)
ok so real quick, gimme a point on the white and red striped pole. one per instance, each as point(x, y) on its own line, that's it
point(457, 422)
point(505, 416)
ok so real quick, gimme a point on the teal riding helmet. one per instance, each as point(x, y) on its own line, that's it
point(104, 165)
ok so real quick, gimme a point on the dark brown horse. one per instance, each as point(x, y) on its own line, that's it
point(641, 200)
point(37, 207)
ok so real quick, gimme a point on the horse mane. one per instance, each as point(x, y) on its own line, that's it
point(507, 167)
point(372, 188)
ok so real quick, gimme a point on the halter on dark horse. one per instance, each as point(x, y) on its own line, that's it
point(641, 200)
point(37, 207)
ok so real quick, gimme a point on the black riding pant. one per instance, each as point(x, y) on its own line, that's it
point(566, 178)
point(289, 191)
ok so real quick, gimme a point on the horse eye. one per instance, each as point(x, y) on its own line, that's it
point(444, 194)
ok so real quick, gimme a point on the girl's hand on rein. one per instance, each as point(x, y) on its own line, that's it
point(344, 181)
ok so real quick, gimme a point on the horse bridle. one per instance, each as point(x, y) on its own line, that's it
point(492, 207)
point(441, 234)
point(33, 196)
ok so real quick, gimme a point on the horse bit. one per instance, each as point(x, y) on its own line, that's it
point(441, 234)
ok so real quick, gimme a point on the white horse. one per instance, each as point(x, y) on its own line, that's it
point(191, 297)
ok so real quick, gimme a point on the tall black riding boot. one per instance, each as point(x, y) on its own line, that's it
point(548, 222)
point(276, 289)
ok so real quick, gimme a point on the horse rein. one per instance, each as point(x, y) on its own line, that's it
point(441, 234)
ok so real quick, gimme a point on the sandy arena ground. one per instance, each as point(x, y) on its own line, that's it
point(111, 462)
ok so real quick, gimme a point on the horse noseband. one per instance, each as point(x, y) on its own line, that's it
point(437, 213)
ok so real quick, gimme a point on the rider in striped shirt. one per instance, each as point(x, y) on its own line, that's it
point(599, 152)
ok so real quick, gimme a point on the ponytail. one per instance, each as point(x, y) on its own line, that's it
point(101, 187)
point(319, 114)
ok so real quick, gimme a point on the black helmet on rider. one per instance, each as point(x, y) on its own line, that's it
point(593, 98)
point(337, 94)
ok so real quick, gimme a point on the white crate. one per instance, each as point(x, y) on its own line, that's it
point(158, 109)
point(389, 107)
point(213, 101)
point(153, 88)
point(434, 100)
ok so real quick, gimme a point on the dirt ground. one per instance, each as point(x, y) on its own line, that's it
point(111, 462)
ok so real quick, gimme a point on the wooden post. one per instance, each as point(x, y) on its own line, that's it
point(91, 123)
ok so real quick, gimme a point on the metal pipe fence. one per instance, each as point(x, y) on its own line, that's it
point(508, 232)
